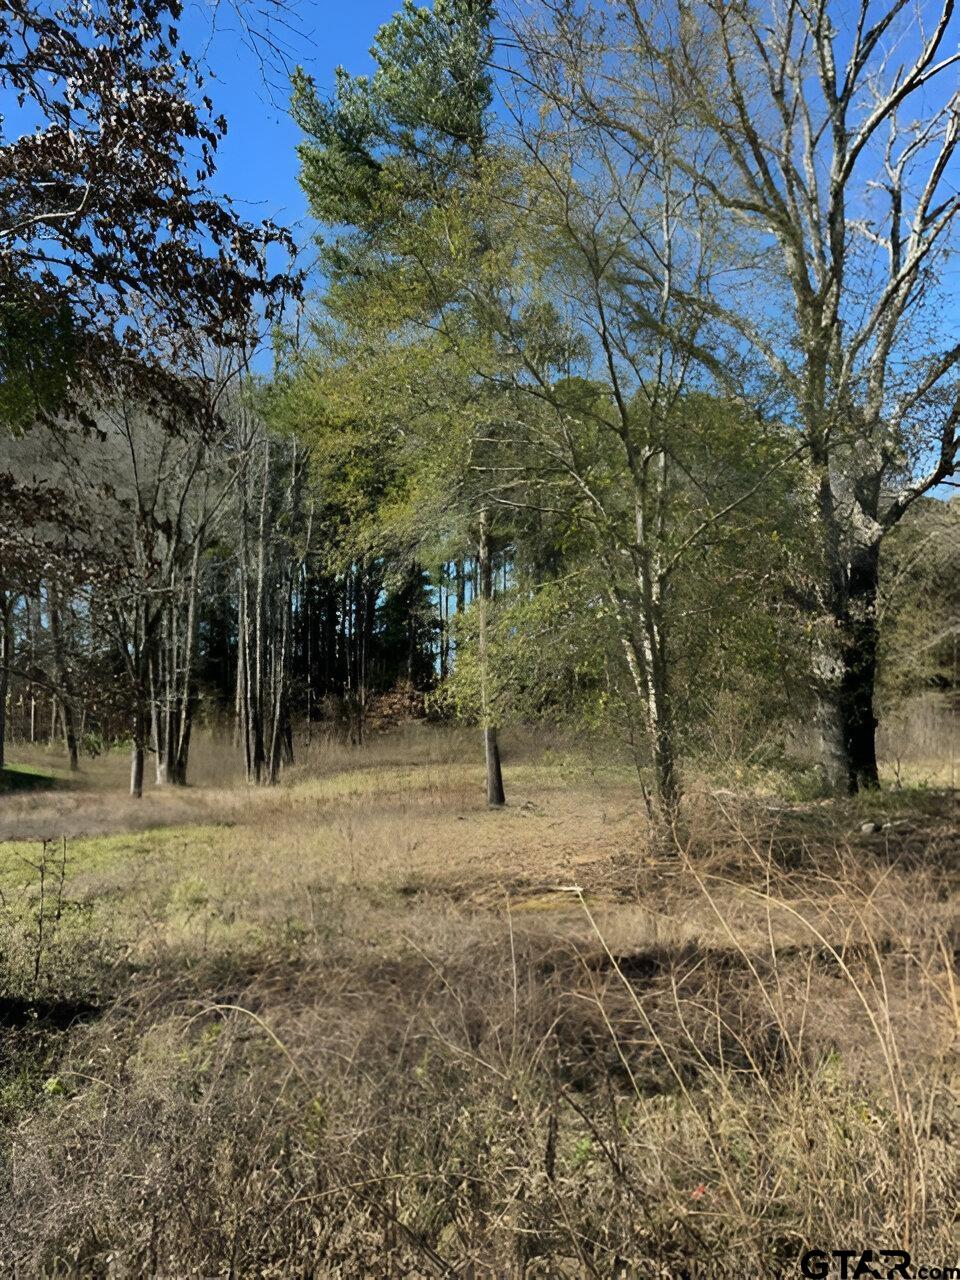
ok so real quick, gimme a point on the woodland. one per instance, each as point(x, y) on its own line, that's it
point(627, 395)
point(583, 473)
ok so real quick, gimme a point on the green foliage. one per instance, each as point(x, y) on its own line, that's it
point(37, 359)
point(393, 142)
point(488, 338)
point(549, 648)
point(920, 603)
point(388, 165)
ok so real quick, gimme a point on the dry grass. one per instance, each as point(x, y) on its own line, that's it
point(920, 742)
point(361, 1026)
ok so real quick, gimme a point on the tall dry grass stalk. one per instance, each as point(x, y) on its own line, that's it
point(361, 1026)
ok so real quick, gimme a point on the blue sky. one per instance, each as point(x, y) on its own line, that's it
point(257, 159)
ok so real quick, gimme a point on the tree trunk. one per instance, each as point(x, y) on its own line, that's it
point(491, 747)
point(63, 679)
point(649, 673)
point(157, 739)
point(240, 687)
point(860, 670)
point(660, 719)
point(829, 719)
point(32, 628)
point(845, 665)
point(70, 737)
point(257, 700)
point(183, 748)
point(242, 706)
point(6, 652)
point(491, 755)
point(359, 646)
point(444, 611)
point(461, 587)
point(846, 673)
point(170, 663)
point(137, 755)
point(307, 597)
point(180, 740)
point(279, 703)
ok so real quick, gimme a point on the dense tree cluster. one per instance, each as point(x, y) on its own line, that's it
point(625, 400)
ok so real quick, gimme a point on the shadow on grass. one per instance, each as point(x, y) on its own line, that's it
point(57, 1015)
point(25, 777)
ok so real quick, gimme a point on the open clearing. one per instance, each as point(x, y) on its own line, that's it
point(361, 1025)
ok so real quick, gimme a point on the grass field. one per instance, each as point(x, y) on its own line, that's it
point(359, 1025)
point(27, 777)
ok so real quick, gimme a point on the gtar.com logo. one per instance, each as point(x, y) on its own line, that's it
point(880, 1264)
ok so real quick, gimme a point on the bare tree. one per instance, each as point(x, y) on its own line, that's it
point(275, 532)
point(142, 496)
point(827, 137)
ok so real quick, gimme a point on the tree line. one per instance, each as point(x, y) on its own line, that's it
point(626, 394)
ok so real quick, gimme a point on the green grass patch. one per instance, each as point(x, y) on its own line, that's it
point(103, 854)
point(27, 777)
